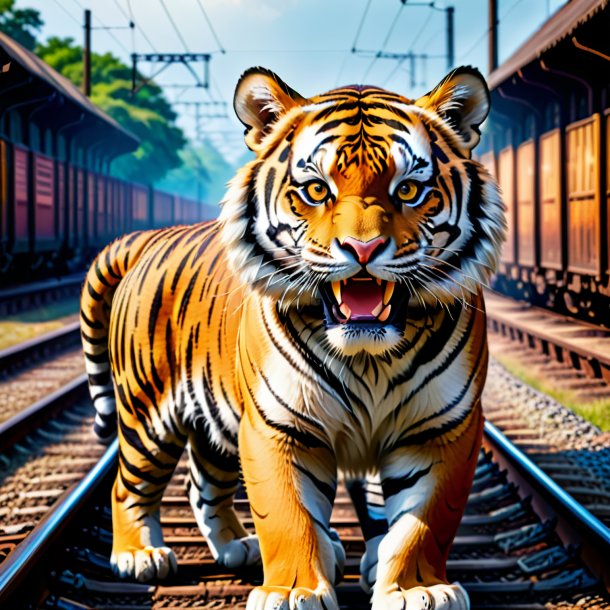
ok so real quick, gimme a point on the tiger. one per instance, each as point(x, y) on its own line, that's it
point(330, 323)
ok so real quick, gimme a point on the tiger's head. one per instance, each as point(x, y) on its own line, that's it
point(361, 201)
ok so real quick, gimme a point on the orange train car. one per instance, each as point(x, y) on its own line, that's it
point(547, 141)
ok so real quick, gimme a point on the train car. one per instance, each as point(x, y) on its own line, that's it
point(58, 206)
point(53, 138)
point(547, 139)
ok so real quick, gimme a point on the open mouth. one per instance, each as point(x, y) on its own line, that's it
point(363, 299)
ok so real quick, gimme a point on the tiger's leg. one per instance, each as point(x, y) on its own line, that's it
point(367, 497)
point(146, 465)
point(213, 481)
point(426, 489)
point(291, 484)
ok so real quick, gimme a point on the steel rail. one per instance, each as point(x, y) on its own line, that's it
point(65, 336)
point(31, 551)
point(16, 292)
point(560, 497)
point(579, 524)
point(28, 420)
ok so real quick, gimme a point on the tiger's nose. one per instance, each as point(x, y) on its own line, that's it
point(364, 251)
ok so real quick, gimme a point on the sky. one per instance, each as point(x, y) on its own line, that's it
point(308, 43)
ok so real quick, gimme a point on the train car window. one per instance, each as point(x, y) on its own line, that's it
point(22, 194)
point(506, 167)
point(526, 194)
point(61, 148)
point(583, 161)
point(549, 171)
point(15, 130)
point(44, 168)
point(35, 138)
point(48, 143)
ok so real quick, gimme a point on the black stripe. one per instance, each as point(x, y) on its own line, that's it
point(99, 274)
point(134, 441)
point(328, 491)
point(394, 485)
point(144, 475)
point(457, 399)
point(156, 305)
point(97, 358)
point(99, 379)
point(441, 341)
point(94, 340)
point(90, 323)
point(286, 406)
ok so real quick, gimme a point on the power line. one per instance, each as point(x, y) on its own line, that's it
point(146, 38)
point(385, 41)
point(104, 27)
point(176, 29)
point(67, 12)
point(422, 29)
point(356, 37)
point(479, 40)
point(413, 43)
point(116, 2)
point(209, 22)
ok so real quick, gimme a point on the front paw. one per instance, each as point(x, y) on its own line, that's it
point(144, 564)
point(285, 598)
point(239, 553)
point(436, 597)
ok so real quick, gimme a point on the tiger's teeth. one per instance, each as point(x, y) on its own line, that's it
point(378, 281)
point(377, 309)
point(345, 310)
point(389, 291)
point(385, 314)
point(337, 290)
point(344, 282)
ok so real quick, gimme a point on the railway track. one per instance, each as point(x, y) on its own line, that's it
point(572, 452)
point(523, 543)
point(28, 296)
point(44, 450)
point(512, 550)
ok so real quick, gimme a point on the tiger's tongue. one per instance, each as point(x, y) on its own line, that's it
point(362, 297)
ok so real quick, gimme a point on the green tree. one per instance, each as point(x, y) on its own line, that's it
point(204, 174)
point(147, 114)
point(21, 24)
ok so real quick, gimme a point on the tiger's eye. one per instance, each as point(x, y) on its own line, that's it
point(317, 192)
point(407, 191)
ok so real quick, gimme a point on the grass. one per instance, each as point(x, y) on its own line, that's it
point(35, 322)
point(595, 411)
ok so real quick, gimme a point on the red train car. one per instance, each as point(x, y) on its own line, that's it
point(58, 207)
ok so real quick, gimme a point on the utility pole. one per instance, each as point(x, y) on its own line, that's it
point(450, 39)
point(87, 55)
point(493, 36)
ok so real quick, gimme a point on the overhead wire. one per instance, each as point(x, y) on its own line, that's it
point(104, 27)
point(385, 41)
point(481, 38)
point(140, 28)
point(209, 22)
point(68, 13)
point(354, 44)
point(419, 34)
point(176, 28)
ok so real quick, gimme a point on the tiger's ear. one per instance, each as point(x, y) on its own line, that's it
point(462, 99)
point(261, 97)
